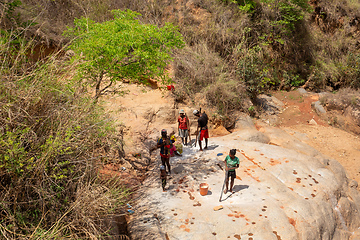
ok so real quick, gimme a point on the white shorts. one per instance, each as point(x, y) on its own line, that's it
point(183, 133)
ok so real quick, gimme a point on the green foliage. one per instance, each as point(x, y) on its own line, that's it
point(50, 138)
point(247, 6)
point(13, 156)
point(9, 7)
point(287, 13)
point(353, 70)
point(293, 80)
point(254, 72)
point(123, 48)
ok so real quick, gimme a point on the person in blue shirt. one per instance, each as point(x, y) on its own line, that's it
point(232, 162)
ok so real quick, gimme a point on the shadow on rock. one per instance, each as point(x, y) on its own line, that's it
point(238, 188)
point(212, 147)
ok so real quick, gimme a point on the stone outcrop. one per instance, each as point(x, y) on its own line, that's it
point(288, 191)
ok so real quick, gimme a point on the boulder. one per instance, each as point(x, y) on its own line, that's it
point(244, 121)
point(319, 109)
point(269, 104)
point(354, 113)
point(288, 191)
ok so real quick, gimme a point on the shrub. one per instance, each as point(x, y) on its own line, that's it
point(122, 48)
point(51, 141)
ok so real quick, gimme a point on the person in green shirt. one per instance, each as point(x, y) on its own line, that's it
point(232, 162)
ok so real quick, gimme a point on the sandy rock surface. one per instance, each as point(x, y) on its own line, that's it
point(288, 191)
point(291, 187)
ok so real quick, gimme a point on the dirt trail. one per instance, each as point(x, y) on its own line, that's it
point(333, 142)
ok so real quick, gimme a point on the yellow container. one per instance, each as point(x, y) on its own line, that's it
point(179, 148)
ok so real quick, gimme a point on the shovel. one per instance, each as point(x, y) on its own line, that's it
point(222, 189)
point(196, 139)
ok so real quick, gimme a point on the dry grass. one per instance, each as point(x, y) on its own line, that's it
point(52, 140)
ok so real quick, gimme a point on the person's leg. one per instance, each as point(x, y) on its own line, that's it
point(181, 135)
point(226, 185)
point(200, 139)
point(163, 184)
point(163, 161)
point(168, 164)
point(206, 136)
point(232, 183)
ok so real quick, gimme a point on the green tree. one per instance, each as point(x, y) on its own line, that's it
point(123, 48)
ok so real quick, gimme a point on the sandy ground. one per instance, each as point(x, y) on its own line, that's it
point(134, 108)
point(333, 142)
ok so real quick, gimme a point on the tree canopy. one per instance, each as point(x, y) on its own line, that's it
point(123, 48)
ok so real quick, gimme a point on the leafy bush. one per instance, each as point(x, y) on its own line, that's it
point(50, 144)
point(353, 70)
point(122, 48)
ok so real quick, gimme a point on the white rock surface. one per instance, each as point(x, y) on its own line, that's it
point(288, 191)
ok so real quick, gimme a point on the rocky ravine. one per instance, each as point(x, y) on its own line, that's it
point(288, 190)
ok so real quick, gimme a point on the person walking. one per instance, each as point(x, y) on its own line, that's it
point(183, 126)
point(202, 127)
point(165, 144)
point(232, 162)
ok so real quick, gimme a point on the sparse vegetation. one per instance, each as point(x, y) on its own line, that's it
point(52, 135)
point(52, 140)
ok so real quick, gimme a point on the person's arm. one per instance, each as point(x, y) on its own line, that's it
point(237, 166)
point(198, 127)
point(226, 166)
point(159, 145)
point(227, 169)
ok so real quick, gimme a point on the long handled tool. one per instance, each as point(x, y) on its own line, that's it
point(222, 190)
point(197, 133)
point(196, 139)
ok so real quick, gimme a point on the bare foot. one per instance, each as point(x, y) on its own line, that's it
point(164, 190)
point(205, 147)
point(225, 191)
point(201, 150)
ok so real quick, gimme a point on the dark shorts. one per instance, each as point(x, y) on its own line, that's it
point(232, 174)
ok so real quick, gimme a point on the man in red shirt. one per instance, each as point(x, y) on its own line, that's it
point(183, 126)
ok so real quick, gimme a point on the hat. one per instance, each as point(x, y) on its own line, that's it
point(163, 131)
point(162, 167)
point(182, 111)
point(195, 112)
